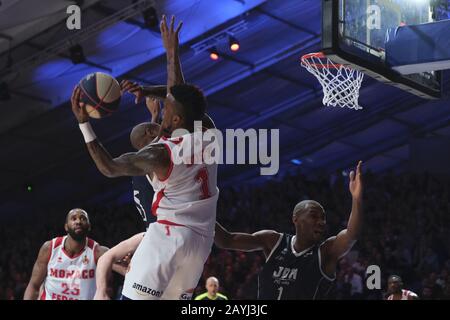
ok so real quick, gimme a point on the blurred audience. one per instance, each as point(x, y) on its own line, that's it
point(406, 232)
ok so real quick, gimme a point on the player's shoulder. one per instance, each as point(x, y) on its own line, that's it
point(269, 235)
point(327, 243)
point(92, 244)
point(270, 238)
point(45, 251)
point(158, 154)
point(156, 148)
point(411, 295)
point(47, 245)
point(201, 296)
point(96, 247)
point(223, 297)
point(53, 243)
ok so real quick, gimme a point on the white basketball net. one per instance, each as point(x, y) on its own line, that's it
point(340, 84)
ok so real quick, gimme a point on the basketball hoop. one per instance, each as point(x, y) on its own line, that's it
point(340, 83)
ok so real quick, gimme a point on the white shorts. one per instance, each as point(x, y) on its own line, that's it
point(167, 264)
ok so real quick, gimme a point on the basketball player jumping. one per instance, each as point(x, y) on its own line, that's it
point(143, 134)
point(142, 193)
point(66, 265)
point(124, 250)
point(185, 194)
point(300, 266)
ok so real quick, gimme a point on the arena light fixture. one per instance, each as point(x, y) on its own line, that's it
point(214, 54)
point(220, 37)
point(234, 44)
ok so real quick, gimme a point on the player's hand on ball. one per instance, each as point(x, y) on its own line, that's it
point(169, 35)
point(133, 88)
point(78, 108)
point(356, 185)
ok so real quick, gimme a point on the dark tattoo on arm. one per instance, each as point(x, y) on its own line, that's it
point(147, 161)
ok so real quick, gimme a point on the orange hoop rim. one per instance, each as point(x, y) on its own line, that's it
point(319, 55)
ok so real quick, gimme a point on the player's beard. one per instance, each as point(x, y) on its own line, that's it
point(79, 237)
point(167, 131)
point(398, 291)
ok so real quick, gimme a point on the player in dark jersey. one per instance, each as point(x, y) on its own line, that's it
point(302, 266)
point(142, 190)
point(143, 198)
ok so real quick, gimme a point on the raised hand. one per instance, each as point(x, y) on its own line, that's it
point(133, 88)
point(78, 108)
point(356, 184)
point(169, 35)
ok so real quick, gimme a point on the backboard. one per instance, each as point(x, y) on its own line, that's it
point(354, 33)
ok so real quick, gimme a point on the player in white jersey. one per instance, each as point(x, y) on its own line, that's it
point(395, 288)
point(66, 265)
point(169, 261)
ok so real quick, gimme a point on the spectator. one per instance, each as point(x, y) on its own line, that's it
point(212, 291)
point(355, 281)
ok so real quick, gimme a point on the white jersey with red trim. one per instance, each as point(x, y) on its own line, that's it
point(188, 194)
point(406, 294)
point(70, 278)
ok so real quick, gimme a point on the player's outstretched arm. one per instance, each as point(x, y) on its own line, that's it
point(153, 95)
point(106, 262)
point(338, 246)
point(170, 39)
point(156, 92)
point(116, 267)
point(153, 159)
point(262, 240)
point(39, 272)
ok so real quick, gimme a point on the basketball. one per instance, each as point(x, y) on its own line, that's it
point(101, 94)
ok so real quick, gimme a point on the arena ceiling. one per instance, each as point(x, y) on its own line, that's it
point(260, 86)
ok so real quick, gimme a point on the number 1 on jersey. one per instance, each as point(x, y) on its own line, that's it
point(280, 289)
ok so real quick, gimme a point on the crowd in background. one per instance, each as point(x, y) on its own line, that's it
point(406, 232)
